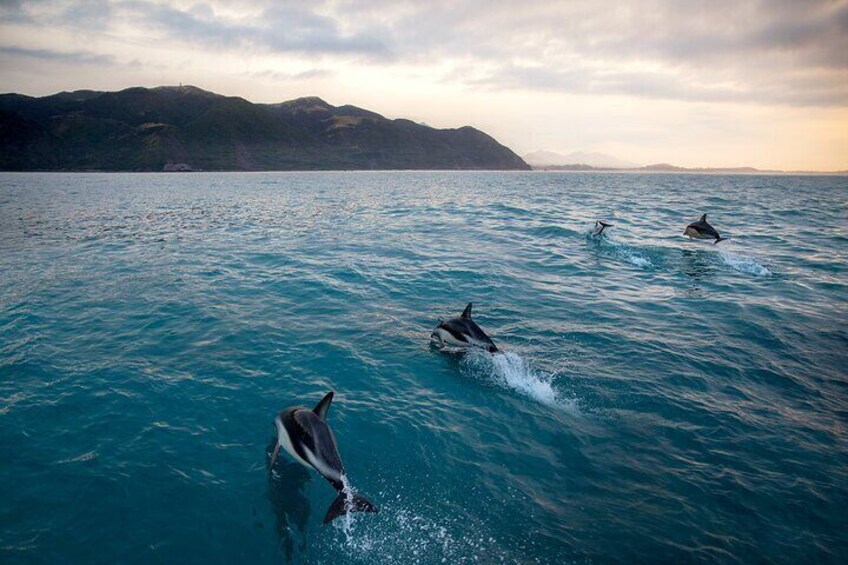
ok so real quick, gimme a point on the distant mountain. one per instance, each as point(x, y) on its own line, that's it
point(666, 168)
point(186, 128)
point(596, 160)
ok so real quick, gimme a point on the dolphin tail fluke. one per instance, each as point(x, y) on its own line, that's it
point(600, 226)
point(342, 506)
point(719, 238)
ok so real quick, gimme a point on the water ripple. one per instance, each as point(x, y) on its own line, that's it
point(656, 399)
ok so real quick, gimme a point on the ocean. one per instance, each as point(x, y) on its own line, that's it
point(656, 399)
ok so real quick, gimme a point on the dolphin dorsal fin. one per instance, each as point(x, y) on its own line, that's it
point(322, 407)
point(704, 218)
point(467, 312)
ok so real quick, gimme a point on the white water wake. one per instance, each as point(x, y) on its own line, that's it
point(628, 253)
point(743, 264)
point(510, 371)
point(633, 257)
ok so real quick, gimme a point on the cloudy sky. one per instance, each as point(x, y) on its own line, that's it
point(694, 83)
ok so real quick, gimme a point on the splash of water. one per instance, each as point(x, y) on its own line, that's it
point(515, 372)
point(509, 370)
point(629, 254)
point(407, 534)
point(347, 518)
point(636, 259)
point(743, 264)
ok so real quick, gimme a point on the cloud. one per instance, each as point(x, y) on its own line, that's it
point(274, 27)
point(75, 57)
point(799, 90)
point(285, 76)
point(774, 52)
point(762, 51)
point(279, 28)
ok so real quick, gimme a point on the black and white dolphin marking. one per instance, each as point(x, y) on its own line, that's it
point(462, 332)
point(304, 434)
point(702, 230)
point(600, 226)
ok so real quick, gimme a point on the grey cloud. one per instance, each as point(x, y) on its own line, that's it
point(796, 91)
point(761, 51)
point(83, 16)
point(12, 12)
point(279, 75)
point(79, 57)
point(191, 25)
point(792, 53)
point(293, 28)
point(90, 15)
point(822, 37)
point(281, 28)
point(776, 32)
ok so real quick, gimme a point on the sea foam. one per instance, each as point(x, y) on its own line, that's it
point(628, 253)
point(743, 264)
point(511, 371)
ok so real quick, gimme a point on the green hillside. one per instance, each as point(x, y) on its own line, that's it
point(141, 129)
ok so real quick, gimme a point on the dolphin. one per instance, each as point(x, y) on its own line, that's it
point(600, 225)
point(702, 230)
point(304, 434)
point(462, 332)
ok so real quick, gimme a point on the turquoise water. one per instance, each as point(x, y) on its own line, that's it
point(658, 399)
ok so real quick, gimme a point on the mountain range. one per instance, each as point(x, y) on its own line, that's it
point(588, 162)
point(186, 128)
point(596, 160)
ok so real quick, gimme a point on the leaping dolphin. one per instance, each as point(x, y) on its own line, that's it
point(306, 437)
point(462, 332)
point(600, 226)
point(702, 230)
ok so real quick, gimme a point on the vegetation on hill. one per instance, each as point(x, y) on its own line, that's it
point(141, 129)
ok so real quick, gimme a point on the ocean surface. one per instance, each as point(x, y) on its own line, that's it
point(657, 399)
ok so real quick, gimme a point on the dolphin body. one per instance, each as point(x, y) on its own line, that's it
point(600, 226)
point(462, 332)
point(702, 230)
point(304, 434)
